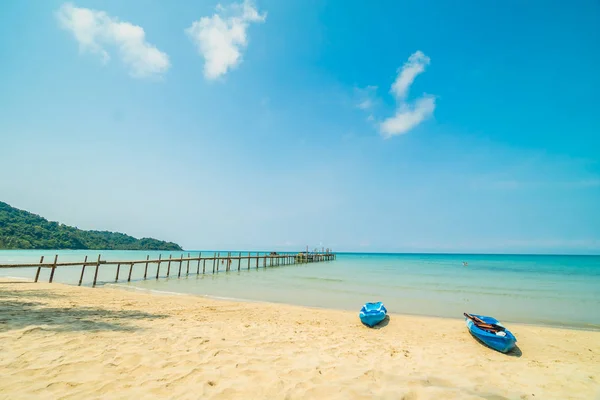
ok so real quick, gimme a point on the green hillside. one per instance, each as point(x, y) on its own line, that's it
point(23, 230)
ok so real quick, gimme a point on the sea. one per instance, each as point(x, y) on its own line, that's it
point(551, 290)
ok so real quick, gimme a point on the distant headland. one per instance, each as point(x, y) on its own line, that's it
point(20, 229)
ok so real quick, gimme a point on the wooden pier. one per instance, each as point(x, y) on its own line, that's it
point(217, 262)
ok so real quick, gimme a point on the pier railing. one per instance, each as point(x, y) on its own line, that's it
point(226, 262)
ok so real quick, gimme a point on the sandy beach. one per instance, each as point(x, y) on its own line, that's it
point(59, 341)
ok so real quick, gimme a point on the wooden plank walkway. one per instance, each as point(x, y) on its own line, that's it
point(218, 260)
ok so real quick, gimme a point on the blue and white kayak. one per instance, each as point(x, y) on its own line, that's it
point(491, 332)
point(372, 313)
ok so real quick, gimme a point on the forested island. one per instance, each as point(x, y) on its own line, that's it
point(23, 230)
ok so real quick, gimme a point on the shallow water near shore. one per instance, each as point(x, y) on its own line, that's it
point(552, 290)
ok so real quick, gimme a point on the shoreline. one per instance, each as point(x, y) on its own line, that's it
point(75, 342)
point(157, 292)
point(242, 300)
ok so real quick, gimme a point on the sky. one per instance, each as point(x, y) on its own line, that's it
point(388, 126)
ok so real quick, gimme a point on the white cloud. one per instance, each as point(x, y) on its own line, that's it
point(222, 37)
point(414, 66)
point(408, 115)
point(97, 32)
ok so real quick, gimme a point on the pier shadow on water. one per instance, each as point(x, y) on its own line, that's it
point(26, 308)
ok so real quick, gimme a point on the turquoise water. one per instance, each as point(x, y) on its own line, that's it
point(554, 290)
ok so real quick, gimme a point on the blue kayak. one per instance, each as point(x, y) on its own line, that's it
point(372, 313)
point(491, 332)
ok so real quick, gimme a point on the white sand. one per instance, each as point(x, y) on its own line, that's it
point(60, 341)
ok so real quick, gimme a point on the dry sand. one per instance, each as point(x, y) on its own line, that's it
point(60, 341)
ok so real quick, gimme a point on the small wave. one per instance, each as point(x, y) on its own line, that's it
point(166, 292)
point(239, 299)
point(314, 278)
point(139, 289)
point(16, 278)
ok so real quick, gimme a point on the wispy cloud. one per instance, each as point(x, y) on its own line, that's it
point(507, 245)
point(408, 115)
point(222, 37)
point(588, 243)
point(365, 104)
point(585, 183)
point(521, 184)
point(98, 33)
point(406, 75)
point(366, 97)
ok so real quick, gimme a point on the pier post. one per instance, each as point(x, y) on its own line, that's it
point(82, 271)
point(239, 260)
point(199, 259)
point(53, 269)
point(180, 262)
point(97, 268)
point(37, 274)
point(158, 266)
point(187, 272)
point(130, 269)
point(248, 261)
point(146, 268)
point(169, 266)
point(118, 268)
point(214, 262)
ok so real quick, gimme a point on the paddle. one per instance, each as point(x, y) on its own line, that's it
point(484, 325)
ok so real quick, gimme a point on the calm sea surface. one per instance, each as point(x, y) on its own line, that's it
point(555, 290)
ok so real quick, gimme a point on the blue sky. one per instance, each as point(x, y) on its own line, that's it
point(403, 126)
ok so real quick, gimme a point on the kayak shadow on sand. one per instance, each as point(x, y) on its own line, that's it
point(515, 352)
point(384, 322)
